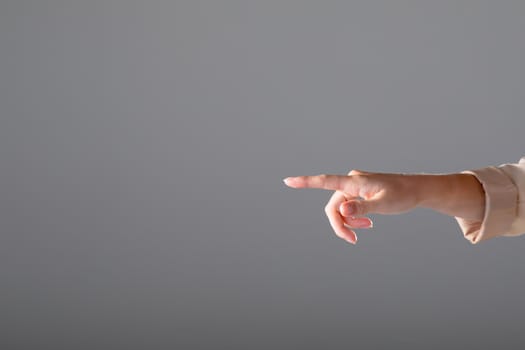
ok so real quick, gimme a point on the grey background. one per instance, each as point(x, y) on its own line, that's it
point(142, 147)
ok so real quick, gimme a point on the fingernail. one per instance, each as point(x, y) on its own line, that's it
point(290, 181)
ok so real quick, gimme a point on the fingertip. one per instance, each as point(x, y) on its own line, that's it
point(352, 241)
point(290, 181)
point(350, 237)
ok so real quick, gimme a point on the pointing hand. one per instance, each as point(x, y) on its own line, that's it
point(358, 194)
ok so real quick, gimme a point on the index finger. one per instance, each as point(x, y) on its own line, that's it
point(323, 181)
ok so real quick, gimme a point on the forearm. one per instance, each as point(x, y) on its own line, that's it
point(459, 195)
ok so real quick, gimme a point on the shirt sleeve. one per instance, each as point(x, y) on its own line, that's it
point(504, 187)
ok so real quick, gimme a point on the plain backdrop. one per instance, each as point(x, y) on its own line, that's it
point(143, 146)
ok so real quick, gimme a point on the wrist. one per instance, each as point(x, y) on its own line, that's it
point(434, 190)
point(459, 195)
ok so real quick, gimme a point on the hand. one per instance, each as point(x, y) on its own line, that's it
point(361, 193)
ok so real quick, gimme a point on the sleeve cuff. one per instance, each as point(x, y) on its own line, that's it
point(501, 197)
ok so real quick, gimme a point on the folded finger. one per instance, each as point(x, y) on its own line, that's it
point(361, 222)
point(336, 220)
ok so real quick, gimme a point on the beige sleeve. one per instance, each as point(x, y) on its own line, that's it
point(504, 187)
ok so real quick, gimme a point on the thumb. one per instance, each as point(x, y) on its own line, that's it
point(356, 207)
point(358, 172)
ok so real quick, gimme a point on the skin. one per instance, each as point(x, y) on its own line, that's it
point(361, 193)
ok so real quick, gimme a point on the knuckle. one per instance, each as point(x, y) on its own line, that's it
point(303, 179)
